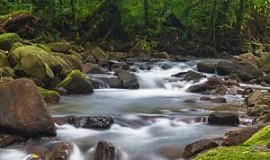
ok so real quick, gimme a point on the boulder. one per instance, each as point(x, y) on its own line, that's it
point(198, 88)
point(161, 55)
point(105, 151)
point(245, 71)
point(61, 152)
point(71, 60)
point(248, 57)
point(211, 84)
point(90, 122)
point(61, 47)
point(35, 62)
point(23, 111)
point(76, 83)
point(50, 97)
point(239, 136)
point(207, 66)
point(219, 100)
point(264, 62)
point(90, 68)
point(7, 139)
point(7, 39)
point(190, 76)
point(7, 72)
point(198, 146)
point(219, 118)
point(129, 80)
point(98, 53)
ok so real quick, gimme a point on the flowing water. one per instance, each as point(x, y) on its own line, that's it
point(154, 122)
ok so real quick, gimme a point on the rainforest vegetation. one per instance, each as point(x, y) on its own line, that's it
point(226, 25)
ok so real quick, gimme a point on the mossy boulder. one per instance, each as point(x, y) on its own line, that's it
point(7, 72)
point(3, 59)
point(264, 62)
point(50, 97)
point(62, 47)
point(44, 47)
point(253, 149)
point(76, 83)
point(37, 63)
point(73, 61)
point(98, 53)
point(7, 39)
point(162, 55)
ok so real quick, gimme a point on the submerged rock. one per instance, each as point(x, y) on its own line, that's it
point(190, 76)
point(23, 111)
point(76, 83)
point(219, 100)
point(198, 146)
point(219, 118)
point(105, 151)
point(91, 122)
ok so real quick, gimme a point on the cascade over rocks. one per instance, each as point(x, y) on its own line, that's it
point(23, 111)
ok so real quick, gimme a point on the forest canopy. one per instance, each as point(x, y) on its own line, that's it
point(160, 22)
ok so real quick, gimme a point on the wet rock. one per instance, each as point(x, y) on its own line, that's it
point(129, 80)
point(190, 101)
point(72, 61)
point(239, 136)
point(91, 122)
point(197, 88)
point(190, 76)
point(7, 39)
point(206, 66)
point(245, 71)
point(76, 83)
point(180, 58)
point(205, 98)
point(90, 68)
point(219, 118)
point(50, 97)
point(115, 65)
point(23, 111)
point(61, 152)
point(105, 151)
point(210, 84)
point(61, 47)
point(219, 100)
point(221, 90)
point(198, 146)
point(113, 82)
point(231, 82)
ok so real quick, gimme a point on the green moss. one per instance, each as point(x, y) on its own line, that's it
point(15, 45)
point(44, 47)
point(76, 83)
point(3, 60)
point(62, 47)
point(49, 95)
point(253, 149)
point(6, 72)
point(260, 138)
point(234, 153)
point(7, 39)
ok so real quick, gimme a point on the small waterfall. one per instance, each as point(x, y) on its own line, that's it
point(97, 82)
point(76, 153)
point(159, 78)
